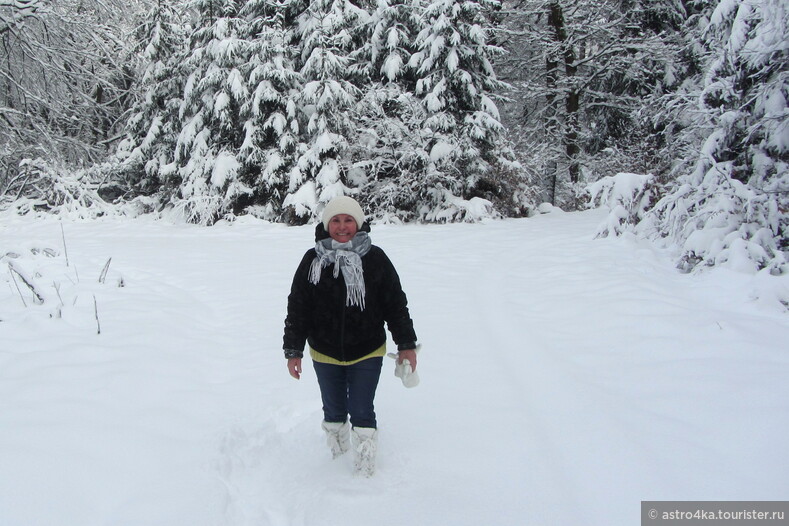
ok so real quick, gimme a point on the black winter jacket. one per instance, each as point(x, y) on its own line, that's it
point(319, 315)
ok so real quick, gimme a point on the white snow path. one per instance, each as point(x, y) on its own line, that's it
point(564, 380)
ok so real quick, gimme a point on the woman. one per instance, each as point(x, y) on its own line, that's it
point(343, 292)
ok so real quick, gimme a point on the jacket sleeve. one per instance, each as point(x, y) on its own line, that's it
point(395, 304)
point(299, 305)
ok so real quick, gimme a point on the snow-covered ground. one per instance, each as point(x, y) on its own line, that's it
point(564, 380)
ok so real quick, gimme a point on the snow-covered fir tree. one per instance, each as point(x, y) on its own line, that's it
point(462, 135)
point(272, 137)
point(393, 26)
point(326, 33)
point(669, 128)
point(733, 207)
point(284, 104)
point(210, 176)
point(151, 131)
point(645, 39)
point(389, 152)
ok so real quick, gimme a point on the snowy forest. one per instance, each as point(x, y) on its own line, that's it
point(586, 201)
point(672, 113)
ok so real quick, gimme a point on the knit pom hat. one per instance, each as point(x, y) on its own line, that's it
point(343, 205)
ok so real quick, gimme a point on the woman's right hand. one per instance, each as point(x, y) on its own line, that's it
point(294, 367)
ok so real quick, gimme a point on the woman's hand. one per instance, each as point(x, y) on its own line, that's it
point(294, 367)
point(409, 355)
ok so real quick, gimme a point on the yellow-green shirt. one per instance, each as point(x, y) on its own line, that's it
point(322, 358)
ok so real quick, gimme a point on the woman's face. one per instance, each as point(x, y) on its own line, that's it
point(342, 228)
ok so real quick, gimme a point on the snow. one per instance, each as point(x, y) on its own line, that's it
point(393, 38)
point(563, 379)
point(723, 10)
point(489, 106)
point(304, 200)
point(392, 67)
point(441, 150)
point(221, 103)
point(225, 168)
point(628, 195)
point(452, 60)
point(619, 188)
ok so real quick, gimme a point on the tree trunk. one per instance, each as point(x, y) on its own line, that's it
point(571, 147)
point(555, 21)
point(572, 96)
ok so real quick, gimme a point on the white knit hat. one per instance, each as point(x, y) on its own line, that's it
point(343, 205)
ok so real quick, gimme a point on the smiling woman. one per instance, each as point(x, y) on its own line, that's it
point(341, 215)
point(345, 290)
point(342, 228)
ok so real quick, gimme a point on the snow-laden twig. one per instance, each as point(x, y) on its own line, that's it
point(103, 275)
point(96, 312)
point(17, 288)
point(65, 248)
point(56, 286)
point(37, 297)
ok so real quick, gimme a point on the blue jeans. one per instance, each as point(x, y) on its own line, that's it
point(349, 389)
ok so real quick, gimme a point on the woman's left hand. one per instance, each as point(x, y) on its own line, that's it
point(409, 355)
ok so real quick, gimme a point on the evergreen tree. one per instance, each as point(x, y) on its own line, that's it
point(272, 130)
point(151, 130)
point(668, 128)
point(461, 133)
point(326, 33)
point(210, 176)
point(732, 208)
point(284, 104)
point(393, 28)
point(389, 151)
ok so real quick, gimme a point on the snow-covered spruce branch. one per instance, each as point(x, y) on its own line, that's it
point(627, 195)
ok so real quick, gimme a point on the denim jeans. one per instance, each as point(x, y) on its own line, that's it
point(349, 389)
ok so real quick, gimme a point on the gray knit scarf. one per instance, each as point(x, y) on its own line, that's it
point(346, 257)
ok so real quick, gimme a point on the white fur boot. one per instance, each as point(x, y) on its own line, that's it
point(365, 445)
point(338, 436)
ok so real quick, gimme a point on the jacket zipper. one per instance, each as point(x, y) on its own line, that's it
point(342, 332)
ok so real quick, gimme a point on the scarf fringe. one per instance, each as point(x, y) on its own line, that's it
point(354, 285)
point(349, 261)
point(315, 269)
